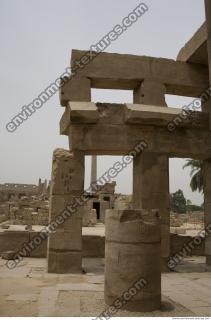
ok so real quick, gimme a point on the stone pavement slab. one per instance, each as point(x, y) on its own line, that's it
point(30, 291)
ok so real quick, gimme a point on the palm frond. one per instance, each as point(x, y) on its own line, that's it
point(196, 174)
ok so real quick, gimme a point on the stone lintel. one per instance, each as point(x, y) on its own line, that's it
point(195, 50)
point(161, 116)
point(149, 115)
point(120, 139)
point(83, 112)
point(123, 71)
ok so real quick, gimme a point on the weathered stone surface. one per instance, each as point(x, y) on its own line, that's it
point(120, 114)
point(132, 253)
point(151, 171)
point(65, 210)
point(98, 139)
point(122, 71)
point(104, 205)
point(150, 92)
point(93, 246)
point(41, 250)
point(93, 217)
point(67, 240)
point(161, 116)
point(178, 242)
point(8, 255)
point(65, 243)
point(64, 123)
point(76, 89)
point(13, 240)
point(64, 262)
point(151, 185)
point(65, 248)
point(83, 112)
point(208, 27)
point(67, 172)
point(195, 50)
point(207, 208)
point(93, 170)
point(89, 217)
point(207, 164)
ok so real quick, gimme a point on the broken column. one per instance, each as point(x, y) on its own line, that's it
point(151, 171)
point(132, 259)
point(66, 208)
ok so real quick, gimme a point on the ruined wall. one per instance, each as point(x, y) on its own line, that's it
point(92, 245)
point(177, 243)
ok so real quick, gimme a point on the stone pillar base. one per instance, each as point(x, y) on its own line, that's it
point(145, 305)
point(64, 262)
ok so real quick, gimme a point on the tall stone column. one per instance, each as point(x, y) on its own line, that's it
point(207, 210)
point(208, 23)
point(94, 169)
point(207, 163)
point(66, 209)
point(151, 171)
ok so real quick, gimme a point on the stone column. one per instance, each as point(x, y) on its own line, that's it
point(151, 171)
point(207, 197)
point(208, 22)
point(67, 184)
point(132, 257)
point(94, 169)
point(39, 186)
point(207, 163)
point(207, 210)
point(66, 208)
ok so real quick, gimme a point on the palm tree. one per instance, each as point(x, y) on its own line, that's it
point(196, 174)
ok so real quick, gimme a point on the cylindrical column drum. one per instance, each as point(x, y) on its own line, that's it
point(132, 260)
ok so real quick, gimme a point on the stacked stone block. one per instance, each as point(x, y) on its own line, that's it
point(65, 243)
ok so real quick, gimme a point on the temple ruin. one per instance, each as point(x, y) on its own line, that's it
point(136, 235)
point(114, 129)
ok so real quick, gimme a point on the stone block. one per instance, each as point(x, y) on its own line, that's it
point(67, 172)
point(75, 89)
point(41, 250)
point(66, 240)
point(93, 246)
point(123, 71)
point(65, 211)
point(13, 240)
point(83, 112)
point(64, 262)
point(8, 255)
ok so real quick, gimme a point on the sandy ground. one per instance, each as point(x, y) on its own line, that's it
point(99, 229)
point(29, 291)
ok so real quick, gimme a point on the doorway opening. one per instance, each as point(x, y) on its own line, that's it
point(96, 206)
